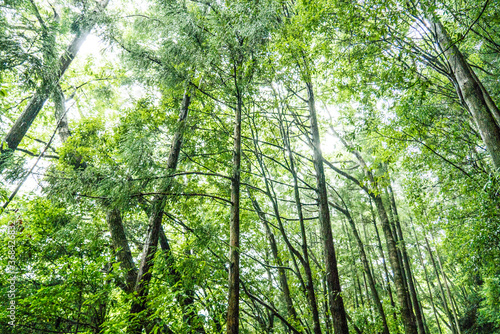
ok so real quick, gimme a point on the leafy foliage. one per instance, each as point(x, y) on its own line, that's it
point(393, 124)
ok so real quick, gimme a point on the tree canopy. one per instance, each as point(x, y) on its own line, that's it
point(250, 166)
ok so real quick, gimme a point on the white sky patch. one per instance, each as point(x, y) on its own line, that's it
point(92, 46)
point(384, 107)
point(414, 149)
point(329, 143)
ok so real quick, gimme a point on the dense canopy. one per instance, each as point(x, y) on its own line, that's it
point(250, 166)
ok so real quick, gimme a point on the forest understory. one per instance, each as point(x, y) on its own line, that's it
point(250, 166)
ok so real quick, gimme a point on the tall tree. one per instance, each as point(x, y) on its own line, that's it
point(156, 213)
point(85, 23)
point(332, 274)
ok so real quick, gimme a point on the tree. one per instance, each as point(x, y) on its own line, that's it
point(51, 78)
point(226, 166)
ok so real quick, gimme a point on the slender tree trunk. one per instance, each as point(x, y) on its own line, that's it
point(270, 315)
point(406, 312)
point(443, 296)
point(121, 247)
point(365, 285)
point(360, 290)
point(184, 295)
point(404, 300)
point(450, 296)
point(311, 295)
point(326, 310)
point(119, 242)
point(357, 286)
point(60, 114)
point(144, 274)
point(155, 220)
point(63, 128)
point(49, 84)
point(397, 240)
point(406, 263)
point(274, 250)
point(294, 253)
point(476, 98)
point(332, 275)
point(366, 267)
point(367, 248)
point(427, 280)
point(234, 230)
point(387, 277)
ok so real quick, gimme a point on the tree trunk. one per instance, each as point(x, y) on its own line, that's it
point(274, 250)
point(311, 295)
point(270, 315)
point(121, 247)
point(155, 220)
point(427, 280)
point(370, 260)
point(443, 296)
point(477, 99)
point(403, 298)
point(234, 230)
point(332, 275)
point(144, 274)
point(307, 288)
point(450, 296)
point(398, 242)
point(119, 242)
point(406, 263)
point(184, 295)
point(387, 277)
point(328, 319)
point(406, 312)
point(354, 273)
point(49, 84)
point(60, 114)
point(366, 267)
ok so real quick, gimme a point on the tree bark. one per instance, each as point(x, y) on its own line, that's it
point(332, 275)
point(406, 263)
point(184, 295)
point(366, 267)
point(144, 274)
point(406, 312)
point(155, 220)
point(328, 319)
point(381, 249)
point(60, 114)
point(397, 240)
point(477, 99)
point(121, 247)
point(233, 311)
